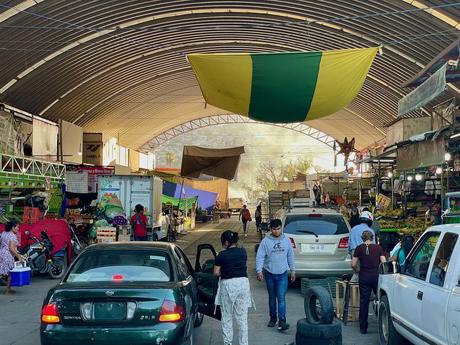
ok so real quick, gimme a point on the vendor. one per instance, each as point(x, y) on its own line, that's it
point(8, 251)
point(139, 224)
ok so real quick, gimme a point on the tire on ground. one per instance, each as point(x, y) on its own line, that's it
point(319, 331)
point(314, 295)
point(301, 340)
point(393, 336)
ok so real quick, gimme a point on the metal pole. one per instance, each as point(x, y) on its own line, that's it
point(443, 192)
point(392, 191)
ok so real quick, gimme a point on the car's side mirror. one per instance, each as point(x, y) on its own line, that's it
point(389, 267)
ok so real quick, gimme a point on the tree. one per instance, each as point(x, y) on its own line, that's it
point(268, 174)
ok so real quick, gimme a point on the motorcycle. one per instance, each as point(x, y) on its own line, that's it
point(40, 260)
point(78, 244)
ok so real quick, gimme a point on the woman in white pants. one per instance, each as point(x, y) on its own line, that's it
point(234, 294)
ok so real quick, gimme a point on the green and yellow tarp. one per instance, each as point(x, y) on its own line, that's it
point(283, 87)
point(184, 203)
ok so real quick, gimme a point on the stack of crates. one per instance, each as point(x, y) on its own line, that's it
point(106, 234)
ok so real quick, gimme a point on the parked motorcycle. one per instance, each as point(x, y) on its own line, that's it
point(78, 244)
point(40, 260)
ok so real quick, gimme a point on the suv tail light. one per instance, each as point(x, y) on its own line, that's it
point(344, 242)
point(171, 312)
point(50, 314)
point(292, 242)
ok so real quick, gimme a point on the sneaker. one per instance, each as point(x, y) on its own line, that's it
point(282, 325)
point(272, 322)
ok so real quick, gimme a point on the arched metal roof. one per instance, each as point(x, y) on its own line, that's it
point(119, 66)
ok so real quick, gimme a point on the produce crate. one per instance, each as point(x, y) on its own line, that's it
point(353, 305)
point(328, 283)
point(106, 234)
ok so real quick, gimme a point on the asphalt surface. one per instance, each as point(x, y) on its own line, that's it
point(20, 313)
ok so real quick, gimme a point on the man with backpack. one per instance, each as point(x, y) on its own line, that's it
point(245, 217)
point(139, 224)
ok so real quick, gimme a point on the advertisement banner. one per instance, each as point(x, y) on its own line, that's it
point(426, 92)
point(92, 148)
point(81, 175)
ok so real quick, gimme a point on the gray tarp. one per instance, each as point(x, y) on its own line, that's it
point(221, 163)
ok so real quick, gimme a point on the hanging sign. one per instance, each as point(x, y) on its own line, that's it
point(382, 201)
point(426, 92)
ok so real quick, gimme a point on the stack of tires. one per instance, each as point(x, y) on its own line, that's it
point(320, 326)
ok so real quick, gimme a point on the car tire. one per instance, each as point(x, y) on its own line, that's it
point(198, 320)
point(319, 331)
point(314, 296)
point(387, 333)
point(303, 340)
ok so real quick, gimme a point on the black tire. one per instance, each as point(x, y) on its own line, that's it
point(388, 335)
point(318, 305)
point(319, 331)
point(302, 340)
point(58, 267)
point(198, 320)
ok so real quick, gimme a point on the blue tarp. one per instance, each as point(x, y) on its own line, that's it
point(206, 200)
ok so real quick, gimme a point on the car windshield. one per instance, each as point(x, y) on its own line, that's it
point(315, 224)
point(121, 266)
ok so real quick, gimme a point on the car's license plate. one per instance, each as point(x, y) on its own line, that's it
point(317, 248)
point(109, 310)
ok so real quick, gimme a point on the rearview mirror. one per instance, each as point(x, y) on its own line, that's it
point(389, 267)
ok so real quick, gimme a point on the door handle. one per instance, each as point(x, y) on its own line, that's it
point(420, 295)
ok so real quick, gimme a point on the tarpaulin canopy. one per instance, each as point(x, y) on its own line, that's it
point(283, 87)
point(213, 162)
point(206, 200)
point(183, 203)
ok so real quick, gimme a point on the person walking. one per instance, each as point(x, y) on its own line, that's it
point(139, 224)
point(354, 219)
point(258, 216)
point(402, 249)
point(365, 223)
point(274, 258)
point(8, 251)
point(245, 217)
point(369, 256)
point(234, 294)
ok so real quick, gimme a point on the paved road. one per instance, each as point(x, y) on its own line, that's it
point(20, 313)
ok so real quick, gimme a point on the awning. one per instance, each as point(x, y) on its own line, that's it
point(221, 163)
point(283, 87)
point(184, 203)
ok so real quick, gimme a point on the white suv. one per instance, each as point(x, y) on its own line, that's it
point(319, 238)
point(421, 301)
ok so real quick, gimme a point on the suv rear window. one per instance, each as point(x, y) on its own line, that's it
point(121, 266)
point(319, 224)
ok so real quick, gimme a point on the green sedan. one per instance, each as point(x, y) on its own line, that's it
point(130, 293)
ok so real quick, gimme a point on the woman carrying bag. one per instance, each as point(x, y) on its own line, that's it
point(234, 294)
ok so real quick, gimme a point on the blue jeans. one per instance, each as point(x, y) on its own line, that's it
point(277, 285)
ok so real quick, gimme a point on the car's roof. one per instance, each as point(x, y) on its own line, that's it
point(446, 228)
point(130, 246)
point(310, 210)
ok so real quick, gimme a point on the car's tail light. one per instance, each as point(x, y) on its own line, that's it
point(50, 313)
point(344, 242)
point(171, 312)
point(292, 242)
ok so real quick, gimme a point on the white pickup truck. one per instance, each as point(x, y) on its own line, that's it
point(420, 301)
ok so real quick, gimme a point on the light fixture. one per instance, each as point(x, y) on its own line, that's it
point(455, 136)
point(438, 170)
point(418, 177)
point(390, 174)
point(410, 178)
point(79, 153)
point(447, 156)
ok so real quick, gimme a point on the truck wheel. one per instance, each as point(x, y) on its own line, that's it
point(302, 340)
point(319, 331)
point(318, 305)
point(388, 335)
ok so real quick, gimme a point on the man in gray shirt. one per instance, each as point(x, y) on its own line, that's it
point(274, 257)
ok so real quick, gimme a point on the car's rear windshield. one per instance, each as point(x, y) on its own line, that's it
point(122, 267)
point(311, 224)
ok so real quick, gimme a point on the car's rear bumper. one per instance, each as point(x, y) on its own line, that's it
point(165, 334)
point(312, 268)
